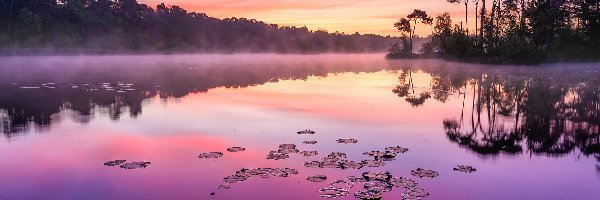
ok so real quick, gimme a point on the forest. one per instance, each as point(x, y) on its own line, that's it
point(511, 32)
point(125, 26)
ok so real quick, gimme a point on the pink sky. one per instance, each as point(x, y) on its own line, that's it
point(349, 16)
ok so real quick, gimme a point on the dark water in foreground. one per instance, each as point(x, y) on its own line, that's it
point(530, 132)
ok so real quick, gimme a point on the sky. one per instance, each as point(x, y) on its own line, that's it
point(348, 16)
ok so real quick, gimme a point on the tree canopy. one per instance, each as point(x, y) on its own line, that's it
point(128, 26)
point(520, 31)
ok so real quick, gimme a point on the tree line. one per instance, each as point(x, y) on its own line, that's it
point(511, 31)
point(128, 26)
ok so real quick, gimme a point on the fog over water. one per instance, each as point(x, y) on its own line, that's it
point(531, 132)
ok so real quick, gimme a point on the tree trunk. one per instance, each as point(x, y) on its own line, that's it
point(412, 35)
point(481, 25)
point(490, 27)
point(476, 17)
point(467, 16)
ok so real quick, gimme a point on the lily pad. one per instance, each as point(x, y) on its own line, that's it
point(309, 153)
point(415, 193)
point(380, 186)
point(211, 155)
point(135, 165)
point(373, 163)
point(317, 178)
point(236, 149)
point(310, 142)
point(347, 141)
point(333, 192)
point(368, 194)
point(403, 182)
point(244, 174)
point(424, 173)
point(377, 176)
point(114, 162)
point(464, 169)
point(397, 149)
point(275, 155)
point(304, 132)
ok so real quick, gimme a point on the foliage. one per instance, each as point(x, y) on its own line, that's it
point(128, 26)
point(408, 26)
point(522, 32)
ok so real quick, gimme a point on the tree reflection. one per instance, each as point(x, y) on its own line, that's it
point(79, 88)
point(550, 113)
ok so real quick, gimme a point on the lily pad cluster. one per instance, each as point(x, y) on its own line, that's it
point(334, 160)
point(131, 165)
point(244, 174)
point(211, 155)
point(375, 184)
point(424, 173)
point(464, 169)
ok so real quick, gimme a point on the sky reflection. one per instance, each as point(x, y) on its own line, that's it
point(261, 107)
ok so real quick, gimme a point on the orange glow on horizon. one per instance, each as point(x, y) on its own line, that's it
point(348, 16)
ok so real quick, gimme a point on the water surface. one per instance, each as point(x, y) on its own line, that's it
point(532, 132)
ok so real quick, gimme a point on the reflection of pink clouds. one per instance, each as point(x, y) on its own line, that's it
point(66, 168)
point(365, 100)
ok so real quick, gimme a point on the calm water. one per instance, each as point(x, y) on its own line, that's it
point(531, 132)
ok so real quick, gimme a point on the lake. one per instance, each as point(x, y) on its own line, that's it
point(528, 132)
